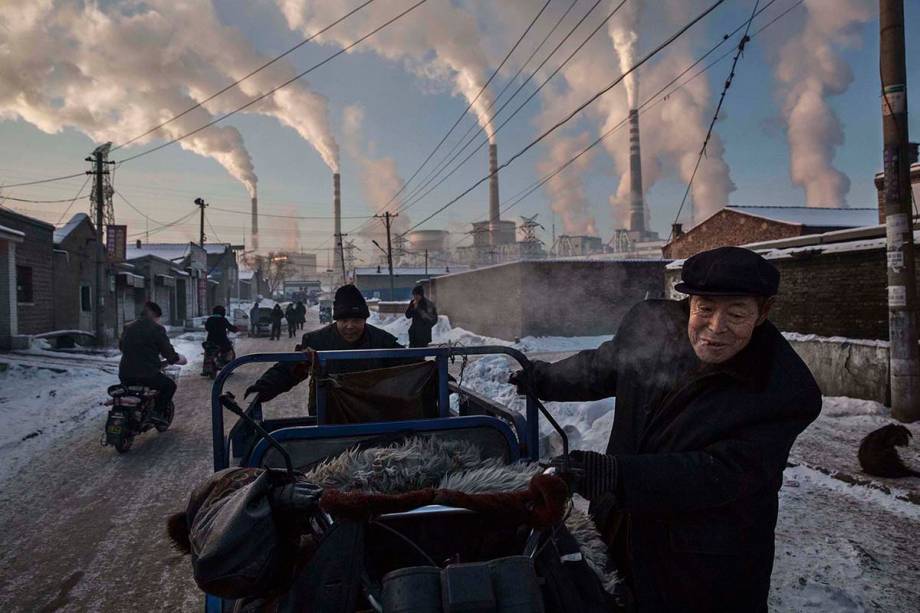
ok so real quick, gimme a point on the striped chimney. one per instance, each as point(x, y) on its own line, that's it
point(636, 202)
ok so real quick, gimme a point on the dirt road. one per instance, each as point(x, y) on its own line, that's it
point(82, 528)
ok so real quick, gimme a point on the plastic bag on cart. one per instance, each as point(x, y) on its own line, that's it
point(384, 394)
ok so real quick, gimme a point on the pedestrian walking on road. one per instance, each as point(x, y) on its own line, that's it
point(277, 316)
point(290, 315)
point(301, 309)
point(424, 316)
point(710, 398)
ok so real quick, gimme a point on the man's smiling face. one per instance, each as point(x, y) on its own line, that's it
point(721, 326)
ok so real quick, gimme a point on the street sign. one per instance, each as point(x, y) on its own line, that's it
point(116, 238)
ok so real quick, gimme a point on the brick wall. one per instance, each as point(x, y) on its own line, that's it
point(836, 294)
point(35, 252)
point(727, 228)
point(880, 184)
point(539, 298)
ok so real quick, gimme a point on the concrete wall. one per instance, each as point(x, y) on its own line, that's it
point(858, 369)
point(547, 297)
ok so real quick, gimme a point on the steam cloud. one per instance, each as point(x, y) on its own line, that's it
point(439, 41)
point(672, 132)
point(566, 190)
point(113, 73)
point(808, 70)
point(378, 176)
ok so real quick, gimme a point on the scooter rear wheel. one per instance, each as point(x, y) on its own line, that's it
point(123, 443)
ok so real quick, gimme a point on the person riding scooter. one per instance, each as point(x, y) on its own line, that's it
point(142, 343)
point(217, 327)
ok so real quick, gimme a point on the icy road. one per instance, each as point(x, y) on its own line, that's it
point(82, 528)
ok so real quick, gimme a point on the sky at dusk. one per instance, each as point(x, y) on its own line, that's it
point(800, 125)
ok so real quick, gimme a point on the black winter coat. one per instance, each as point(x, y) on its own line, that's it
point(424, 317)
point(281, 377)
point(700, 451)
point(217, 327)
point(142, 343)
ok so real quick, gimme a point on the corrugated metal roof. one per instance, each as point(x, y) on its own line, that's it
point(813, 216)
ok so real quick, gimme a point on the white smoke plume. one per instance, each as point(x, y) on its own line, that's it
point(808, 70)
point(672, 132)
point(113, 71)
point(623, 31)
point(378, 176)
point(438, 41)
point(566, 190)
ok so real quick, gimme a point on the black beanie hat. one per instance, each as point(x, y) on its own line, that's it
point(349, 303)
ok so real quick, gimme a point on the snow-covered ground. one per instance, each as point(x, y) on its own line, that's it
point(44, 394)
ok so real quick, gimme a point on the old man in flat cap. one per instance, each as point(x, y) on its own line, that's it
point(709, 399)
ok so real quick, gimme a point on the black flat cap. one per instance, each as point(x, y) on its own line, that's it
point(728, 271)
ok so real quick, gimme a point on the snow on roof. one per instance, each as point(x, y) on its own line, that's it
point(5, 230)
point(408, 271)
point(167, 251)
point(64, 231)
point(216, 248)
point(812, 216)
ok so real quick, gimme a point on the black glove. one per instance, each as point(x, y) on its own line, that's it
point(298, 495)
point(588, 473)
point(261, 389)
point(521, 380)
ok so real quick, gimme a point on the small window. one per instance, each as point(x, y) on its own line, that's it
point(23, 284)
point(86, 301)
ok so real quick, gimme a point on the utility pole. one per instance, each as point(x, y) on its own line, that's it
point(99, 162)
point(904, 358)
point(340, 248)
point(202, 205)
point(387, 220)
point(426, 262)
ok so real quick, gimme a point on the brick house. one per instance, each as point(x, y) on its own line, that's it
point(31, 271)
point(223, 273)
point(9, 313)
point(740, 225)
point(176, 272)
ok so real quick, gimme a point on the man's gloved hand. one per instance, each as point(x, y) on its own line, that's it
point(521, 380)
point(298, 495)
point(588, 473)
point(261, 389)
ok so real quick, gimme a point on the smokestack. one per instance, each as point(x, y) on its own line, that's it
point(636, 203)
point(337, 213)
point(255, 223)
point(494, 212)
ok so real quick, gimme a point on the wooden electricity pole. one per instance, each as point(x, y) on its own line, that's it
point(200, 203)
point(904, 357)
point(387, 221)
point(99, 161)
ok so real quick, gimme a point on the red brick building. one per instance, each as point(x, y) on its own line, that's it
point(32, 273)
point(880, 184)
point(741, 225)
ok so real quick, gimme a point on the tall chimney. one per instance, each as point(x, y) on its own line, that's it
point(337, 213)
point(636, 203)
point(494, 212)
point(255, 223)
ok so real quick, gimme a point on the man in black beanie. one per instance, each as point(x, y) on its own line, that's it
point(349, 330)
point(709, 399)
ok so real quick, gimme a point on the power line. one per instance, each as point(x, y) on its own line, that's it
point(530, 97)
point(285, 84)
point(319, 217)
point(656, 98)
point(166, 225)
point(75, 198)
point(40, 181)
point(207, 219)
point(715, 116)
point(238, 81)
point(577, 110)
point(471, 103)
point(62, 200)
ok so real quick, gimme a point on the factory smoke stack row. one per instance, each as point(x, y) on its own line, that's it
point(337, 213)
point(255, 224)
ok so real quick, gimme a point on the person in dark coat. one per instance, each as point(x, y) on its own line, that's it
point(277, 316)
point(142, 343)
point(424, 316)
point(709, 399)
point(217, 327)
point(301, 314)
point(290, 315)
point(349, 330)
